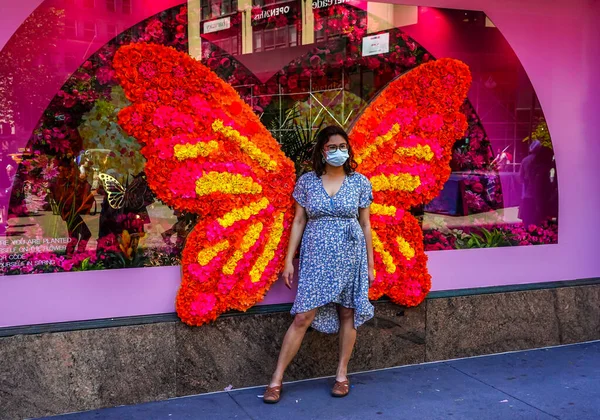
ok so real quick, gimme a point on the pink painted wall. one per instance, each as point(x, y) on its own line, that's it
point(558, 44)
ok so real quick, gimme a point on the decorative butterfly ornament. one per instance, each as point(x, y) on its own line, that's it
point(135, 196)
point(208, 153)
point(114, 190)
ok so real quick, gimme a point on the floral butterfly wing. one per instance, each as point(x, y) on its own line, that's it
point(114, 191)
point(208, 153)
point(403, 144)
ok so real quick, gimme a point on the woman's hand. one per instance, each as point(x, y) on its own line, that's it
point(371, 276)
point(288, 274)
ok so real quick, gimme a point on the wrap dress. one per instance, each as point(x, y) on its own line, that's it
point(333, 252)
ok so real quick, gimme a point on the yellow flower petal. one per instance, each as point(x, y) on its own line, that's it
point(226, 183)
point(248, 241)
point(243, 213)
point(269, 252)
point(207, 254)
point(191, 151)
point(387, 259)
point(382, 210)
point(379, 141)
point(419, 151)
point(400, 182)
point(245, 144)
point(405, 248)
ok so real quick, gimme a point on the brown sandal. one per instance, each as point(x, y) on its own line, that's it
point(341, 389)
point(272, 394)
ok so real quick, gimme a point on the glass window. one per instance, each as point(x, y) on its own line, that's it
point(494, 164)
point(293, 36)
point(205, 9)
point(262, 3)
point(270, 39)
point(70, 29)
point(111, 6)
point(281, 37)
point(215, 8)
point(89, 30)
point(258, 42)
point(126, 7)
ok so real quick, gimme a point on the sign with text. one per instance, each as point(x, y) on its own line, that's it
point(269, 13)
point(376, 44)
point(319, 4)
point(217, 25)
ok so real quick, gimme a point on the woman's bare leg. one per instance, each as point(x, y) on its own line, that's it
point(291, 344)
point(347, 340)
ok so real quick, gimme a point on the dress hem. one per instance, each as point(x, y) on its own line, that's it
point(368, 315)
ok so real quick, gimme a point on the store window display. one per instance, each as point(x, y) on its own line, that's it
point(318, 74)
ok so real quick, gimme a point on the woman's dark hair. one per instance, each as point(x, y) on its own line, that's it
point(323, 137)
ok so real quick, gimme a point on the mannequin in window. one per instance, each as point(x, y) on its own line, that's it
point(534, 175)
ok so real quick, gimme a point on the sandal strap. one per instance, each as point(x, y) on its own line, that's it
point(341, 387)
point(272, 391)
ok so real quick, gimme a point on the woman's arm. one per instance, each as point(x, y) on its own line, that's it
point(295, 237)
point(364, 218)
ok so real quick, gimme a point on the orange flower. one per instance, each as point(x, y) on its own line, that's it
point(241, 187)
point(404, 143)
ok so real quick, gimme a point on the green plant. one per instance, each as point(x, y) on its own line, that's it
point(87, 265)
point(297, 139)
point(482, 239)
point(541, 134)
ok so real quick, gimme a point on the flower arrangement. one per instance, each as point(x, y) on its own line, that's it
point(491, 235)
point(207, 153)
point(403, 144)
point(341, 19)
point(50, 262)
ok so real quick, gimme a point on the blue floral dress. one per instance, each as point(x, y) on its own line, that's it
point(333, 252)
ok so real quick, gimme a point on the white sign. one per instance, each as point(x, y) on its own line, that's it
point(264, 14)
point(376, 44)
point(217, 25)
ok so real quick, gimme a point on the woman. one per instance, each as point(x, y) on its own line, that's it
point(336, 256)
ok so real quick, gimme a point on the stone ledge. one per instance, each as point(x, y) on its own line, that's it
point(53, 373)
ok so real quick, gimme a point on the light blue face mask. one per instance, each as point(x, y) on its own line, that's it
point(337, 158)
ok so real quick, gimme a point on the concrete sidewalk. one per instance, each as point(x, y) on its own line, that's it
point(551, 383)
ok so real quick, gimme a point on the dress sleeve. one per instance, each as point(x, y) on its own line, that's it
point(366, 193)
point(300, 193)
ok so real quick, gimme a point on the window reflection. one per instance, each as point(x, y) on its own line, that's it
point(216, 8)
point(298, 74)
point(111, 5)
point(126, 7)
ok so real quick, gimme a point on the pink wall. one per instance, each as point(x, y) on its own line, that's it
point(558, 44)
